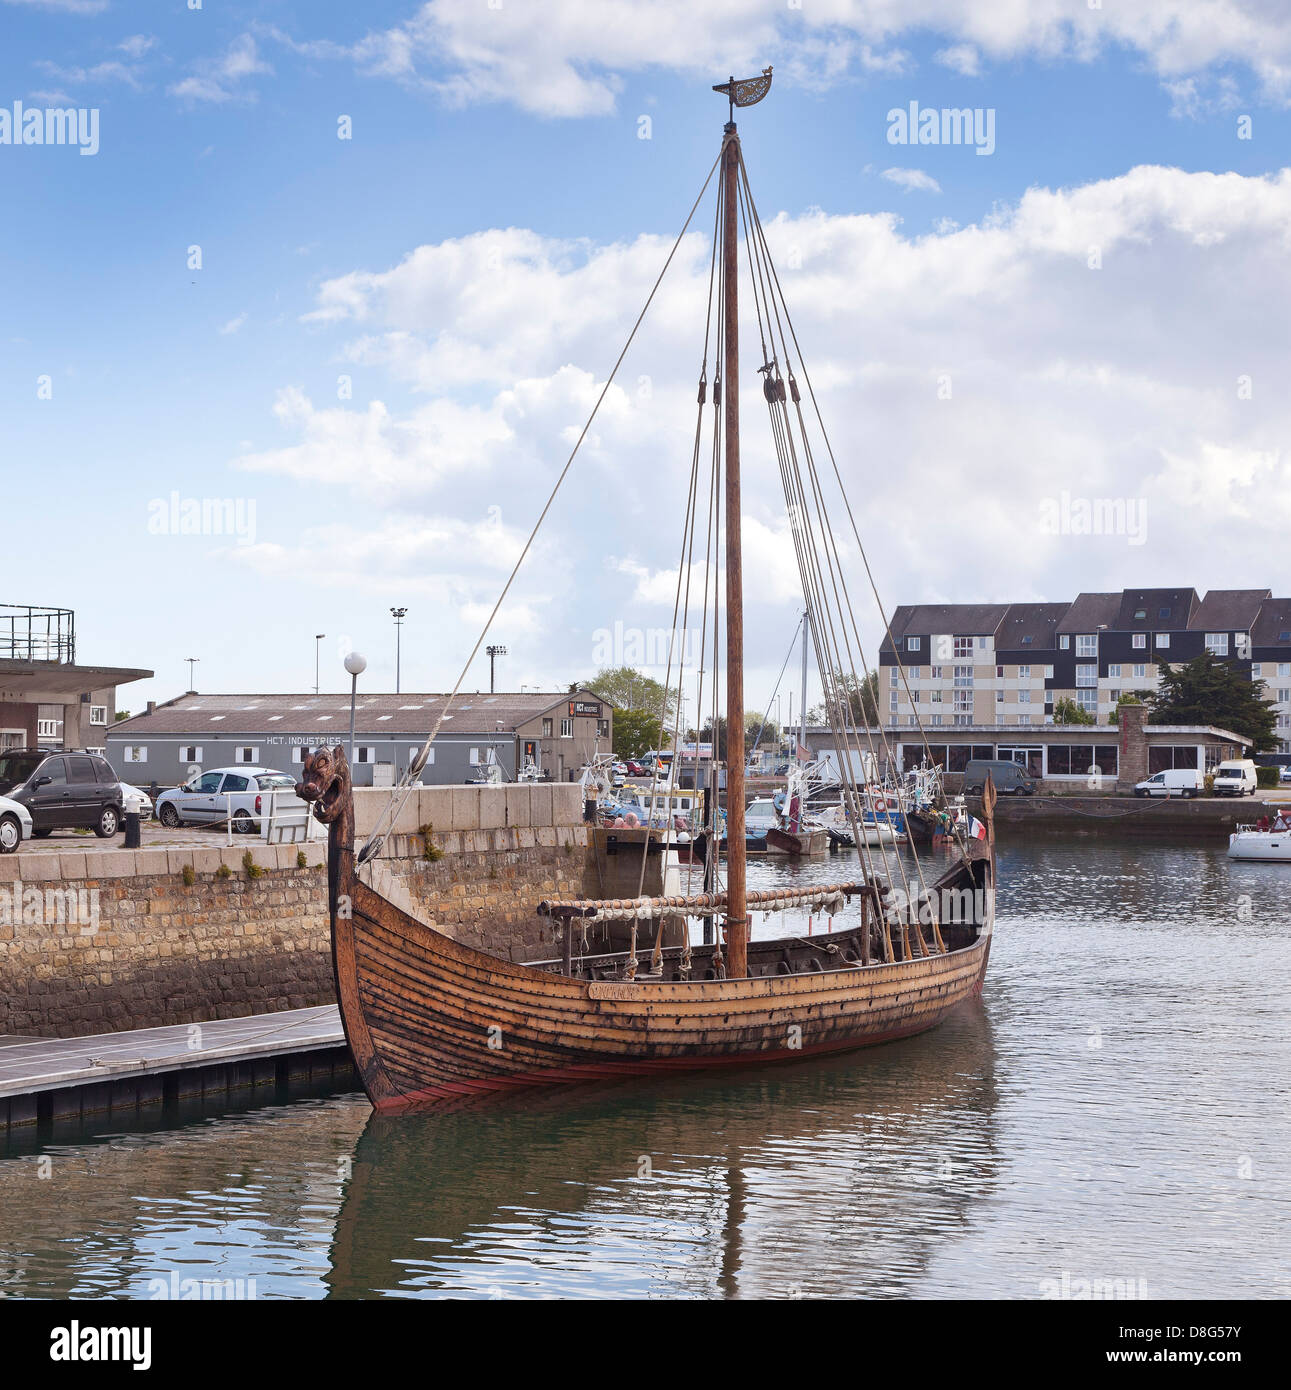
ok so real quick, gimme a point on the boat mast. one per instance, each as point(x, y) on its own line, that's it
point(802, 710)
point(737, 922)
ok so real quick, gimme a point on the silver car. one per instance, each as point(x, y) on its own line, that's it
point(15, 825)
point(243, 793)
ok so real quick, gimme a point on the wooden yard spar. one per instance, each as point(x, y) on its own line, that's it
point(428, 1018)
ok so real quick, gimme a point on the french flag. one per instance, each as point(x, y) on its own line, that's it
point(976, 828)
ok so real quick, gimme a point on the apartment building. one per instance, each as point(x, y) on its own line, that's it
point(1007, 665)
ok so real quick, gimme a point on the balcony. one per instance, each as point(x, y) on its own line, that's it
point(37, 634)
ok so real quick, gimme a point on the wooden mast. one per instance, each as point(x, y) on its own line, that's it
point(737, 922)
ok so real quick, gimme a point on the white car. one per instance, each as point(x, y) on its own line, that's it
point(15, 825)
point(1285, 774)
point(242, 793)
point(132, 799)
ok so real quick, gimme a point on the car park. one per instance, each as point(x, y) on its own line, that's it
point(15, 825)
point(62, 790)
point(237, 794)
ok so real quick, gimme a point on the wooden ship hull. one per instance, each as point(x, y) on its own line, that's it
point(428, 1018)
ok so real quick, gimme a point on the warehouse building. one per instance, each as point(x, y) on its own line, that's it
point(558, 733)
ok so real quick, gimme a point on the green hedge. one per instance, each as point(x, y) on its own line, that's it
point(1266, 776)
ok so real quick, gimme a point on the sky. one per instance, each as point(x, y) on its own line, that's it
point(352, 277)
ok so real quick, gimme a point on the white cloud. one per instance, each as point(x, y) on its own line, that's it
point(569, 58)
point(966, 376)
point(64, 6)
point(137, 45)
point(234, 324)
point(962, 58)
point(224, 78)
point(912, 180)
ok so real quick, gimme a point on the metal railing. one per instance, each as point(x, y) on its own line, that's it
point(29, 633)
point(284, 818)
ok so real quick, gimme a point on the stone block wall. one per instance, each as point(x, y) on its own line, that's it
point(102, 940)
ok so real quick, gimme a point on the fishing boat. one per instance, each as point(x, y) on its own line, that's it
point(430, 1019)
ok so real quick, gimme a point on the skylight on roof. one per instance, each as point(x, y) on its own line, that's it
point(1163, 612)
point(324, 716)
point(385, 716)
point(272, 717)
point(412, 707)
point(216, 717)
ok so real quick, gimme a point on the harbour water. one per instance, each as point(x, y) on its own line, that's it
point(1111, 1119)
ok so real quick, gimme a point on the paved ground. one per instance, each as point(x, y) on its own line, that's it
point(44, 1064)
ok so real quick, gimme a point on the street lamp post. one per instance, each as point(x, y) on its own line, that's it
point(355, 665)
point(493, 652)
point(398, 615)
point(192, 661)
point(318, 637)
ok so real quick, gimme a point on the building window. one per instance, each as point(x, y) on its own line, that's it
point(1024, 697)
point(936, 721)
point(1114, 671)
point(47, 728)
point(1284, 668)
point(1087, 676)
point(1088, 700)
point(915, 672)
point(365, 755)
point(191, 754)
point(1163, 613)
point(894, 678)
point(999, 673)
point(1284, 696)
point(1255, 670)
point(913, 644)
point(1140, 615)
point(546, 728)
point(246, 755)
point(1024, 673)
point(1048, 673)
point(999, 697)
point(430, 755)
point(1087, 644)
point(602, 728)
point(475, 757)
point(963, 647)
point(567, 728)
point(1140, 672)
point(892, 701)
point(1216, 643)
point(963, 702)
point(134, 755)
point(963, 719)
point(1064, 642)
point(1163, 639)
point(934, 672)
point(1139, 639)
point(98, 714)
point(963, 676)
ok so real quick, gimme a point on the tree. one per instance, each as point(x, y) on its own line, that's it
point(120, 715)
point(636, 731)
point(858, 697)
point(1067, 711)
point(1129, 697)
point(1207, 690)
point(626, 688)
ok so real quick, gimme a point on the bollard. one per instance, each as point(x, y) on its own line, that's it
point(132, 837)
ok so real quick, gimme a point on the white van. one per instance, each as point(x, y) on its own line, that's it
point(1178, 781)
point(1236, 778)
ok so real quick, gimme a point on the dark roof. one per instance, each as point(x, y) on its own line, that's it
point(1273, 620)
point(1161, 608)
point(1090, 612)
point(1037, 622)
point(1228, 610)
point(328, 715)
point(955, 619)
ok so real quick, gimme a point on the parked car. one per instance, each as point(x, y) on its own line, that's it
point(133, 798)
point(62, 790)
point(1178, 781)
point(1011, 779)
point(1235, 777)
point(1285, 774)
point(15, 825)
point(212, 796)
point(618, 773)
point(636, 768)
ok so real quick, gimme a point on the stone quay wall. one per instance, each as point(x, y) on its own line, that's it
point(99, 941)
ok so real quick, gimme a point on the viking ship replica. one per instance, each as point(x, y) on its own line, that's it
point(430, 1019)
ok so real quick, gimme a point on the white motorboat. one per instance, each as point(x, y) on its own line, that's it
point(1270, 845)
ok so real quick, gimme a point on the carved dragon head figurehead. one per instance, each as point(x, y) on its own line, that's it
point(325, 780)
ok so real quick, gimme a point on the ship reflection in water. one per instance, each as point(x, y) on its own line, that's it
point(806, 1180)
point(1110, 1114)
